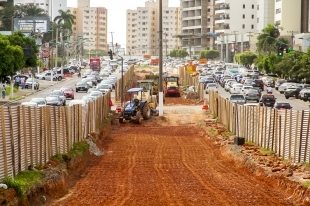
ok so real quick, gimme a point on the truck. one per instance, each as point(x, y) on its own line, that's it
point(94, 64)
point(146, 56)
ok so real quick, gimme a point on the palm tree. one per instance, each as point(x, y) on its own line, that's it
point(65, 19)
point(33, 10)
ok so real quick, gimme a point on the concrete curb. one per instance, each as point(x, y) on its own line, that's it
point(30, 93)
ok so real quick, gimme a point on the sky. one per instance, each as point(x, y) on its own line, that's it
point(117, 15)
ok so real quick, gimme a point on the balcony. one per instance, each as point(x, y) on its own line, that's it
point(222, 29)
point(222, 20)
point(191, 8)
point(191, 18)
point(217, 2)
point(222, 9)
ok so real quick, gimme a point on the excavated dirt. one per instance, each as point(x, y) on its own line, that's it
point(172, 160)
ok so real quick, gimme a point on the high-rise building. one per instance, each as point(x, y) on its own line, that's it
point(197, 32)
point(265, 13)
point(91, 24)
point(49, 6)
point(142, 28)
point(235, 16)
point(305, 16)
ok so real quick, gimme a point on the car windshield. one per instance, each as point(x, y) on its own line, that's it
point(87, 97)
point(268, 96)
point(103, 86)
point(95, 93)
point(51, 98)
point(238, 85)
point(57, 93)
point(211, 85)
point(38, 101)
point(30, 80)
point(237, 97)
point(253, 91)
point(81, 83)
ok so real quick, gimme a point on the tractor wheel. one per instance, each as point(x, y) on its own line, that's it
point(121, 119)
point(138, 118)
point(146, 111)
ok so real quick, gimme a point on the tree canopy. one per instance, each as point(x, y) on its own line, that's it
point(65, 19)
point(181, 53)
point(245, 58)
point(209, 54)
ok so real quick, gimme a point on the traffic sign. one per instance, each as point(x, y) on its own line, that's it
point(190, 69)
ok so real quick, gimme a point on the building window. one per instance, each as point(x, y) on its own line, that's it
point(208, 19)
point(257, 7)
point(252, 6)
point(243, 16)
point(244, 6)
point(252, 16)
point(209, 9)
point(252, 26)
point(243, 26)
point(278, 11)
point(278, 22)
point(257, 20)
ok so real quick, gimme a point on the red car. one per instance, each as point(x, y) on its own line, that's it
point(69, 92)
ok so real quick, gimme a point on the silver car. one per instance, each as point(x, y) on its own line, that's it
point(237, 98)
point(41, 102)
point(61, 94)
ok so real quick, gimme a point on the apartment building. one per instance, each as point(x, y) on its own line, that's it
point(235, 16)
point(265, 13)
point(91, 24)
point(50, 6)
point(197, 31)
point(142, 26)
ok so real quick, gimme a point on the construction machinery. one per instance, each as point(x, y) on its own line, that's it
point(137, 108)
point(150, 89)
point(172, 86)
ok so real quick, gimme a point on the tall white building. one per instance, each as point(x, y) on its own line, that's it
point(265, 13)
point(50, 6)
point(142, 28)
point(91, 24)
point(288, 16)
point(235, 16)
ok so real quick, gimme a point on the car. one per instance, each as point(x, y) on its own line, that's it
point(30, 104)
point(53, 100)
point(88, 98)
point(278, 83)
point(283, 86)
point(29, 81)
point(282, 105)
point(236, 88)
point(292, 91)
point(104, 88)
point(237, 98)
point(211, 86)
point(68, 91)
point(61, 94)
point(248, 82)
point(304, 94)
point(41, 102)
point(92, 89)
point(78, 101)
point(228, 84)
point(258, 83)
point(93, 78)
point(96, 94)
point(252, 95)
point(47, 76)
point(267, 100)
point(245, 89)
point(86, 73)
point(251, 104)
point(81, 86)
point(89, 81)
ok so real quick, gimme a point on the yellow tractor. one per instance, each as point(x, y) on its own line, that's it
point(149, 92)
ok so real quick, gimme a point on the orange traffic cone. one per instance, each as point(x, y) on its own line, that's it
point(205, 106)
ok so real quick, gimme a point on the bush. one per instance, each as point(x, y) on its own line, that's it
point(8, 90)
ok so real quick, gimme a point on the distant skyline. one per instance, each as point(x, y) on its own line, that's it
point(117, 15)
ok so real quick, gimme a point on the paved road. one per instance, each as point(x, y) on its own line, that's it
point(68, 83)
point(297, 104)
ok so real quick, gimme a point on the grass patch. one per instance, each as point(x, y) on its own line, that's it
point(306, 184)
point(155, 69)
point(8, 90)
point(251, 143)
point(15, 98)
point(212, 131)
point(78, 149)
point(23, 182)
point(265, 151)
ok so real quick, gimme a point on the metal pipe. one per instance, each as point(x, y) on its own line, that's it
point(160, 90)
point(122, 86)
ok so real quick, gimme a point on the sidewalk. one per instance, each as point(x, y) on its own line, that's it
point(22, 93)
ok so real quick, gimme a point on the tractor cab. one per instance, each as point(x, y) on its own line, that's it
point(149, 92)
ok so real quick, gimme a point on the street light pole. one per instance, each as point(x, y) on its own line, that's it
point(56, 46)
point(160, 91)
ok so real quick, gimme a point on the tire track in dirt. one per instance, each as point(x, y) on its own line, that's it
point(126, 192)
point(158, 159)
point(131, 166)
point(213, 191)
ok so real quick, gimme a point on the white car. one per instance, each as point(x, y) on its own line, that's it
point(46, 76)
point(211, 86)
point(236, 88)
point(78, 101)
point(228, 84)
point(89, 82)
point(245, 89)
point(30, 104)
point(283, 87)
point(41, 102)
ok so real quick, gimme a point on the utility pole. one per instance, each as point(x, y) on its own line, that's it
point(292, 36)
point(112, 42)
point(166, 45)
point(56, 47)
point(63, 50)
point(160, 91)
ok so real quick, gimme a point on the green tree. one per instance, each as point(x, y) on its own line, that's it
point(270, 39)
point(182, 53)
point(65, 19)
point(30, 10)
point(11, 57)
point(202, 54)
point(211, 54)
point(29, 46)
point(245, 58)
point(173, 53)
point(7, 13)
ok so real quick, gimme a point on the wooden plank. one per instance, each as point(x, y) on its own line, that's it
point(284, 135)
point(25, 135)
point(300, 135)
point(4, 142)
point(12, 140)
point(80, 123)
point(36, 136)
point(307, 138)
point(41, 114)
point(19, 139)
point(31, 135)
point(296, 134)
point(290, 135)
point(68, 125)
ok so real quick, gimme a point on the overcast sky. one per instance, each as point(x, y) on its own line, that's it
point(117, 15)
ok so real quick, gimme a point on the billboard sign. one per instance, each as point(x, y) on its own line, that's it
point(32, 24)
